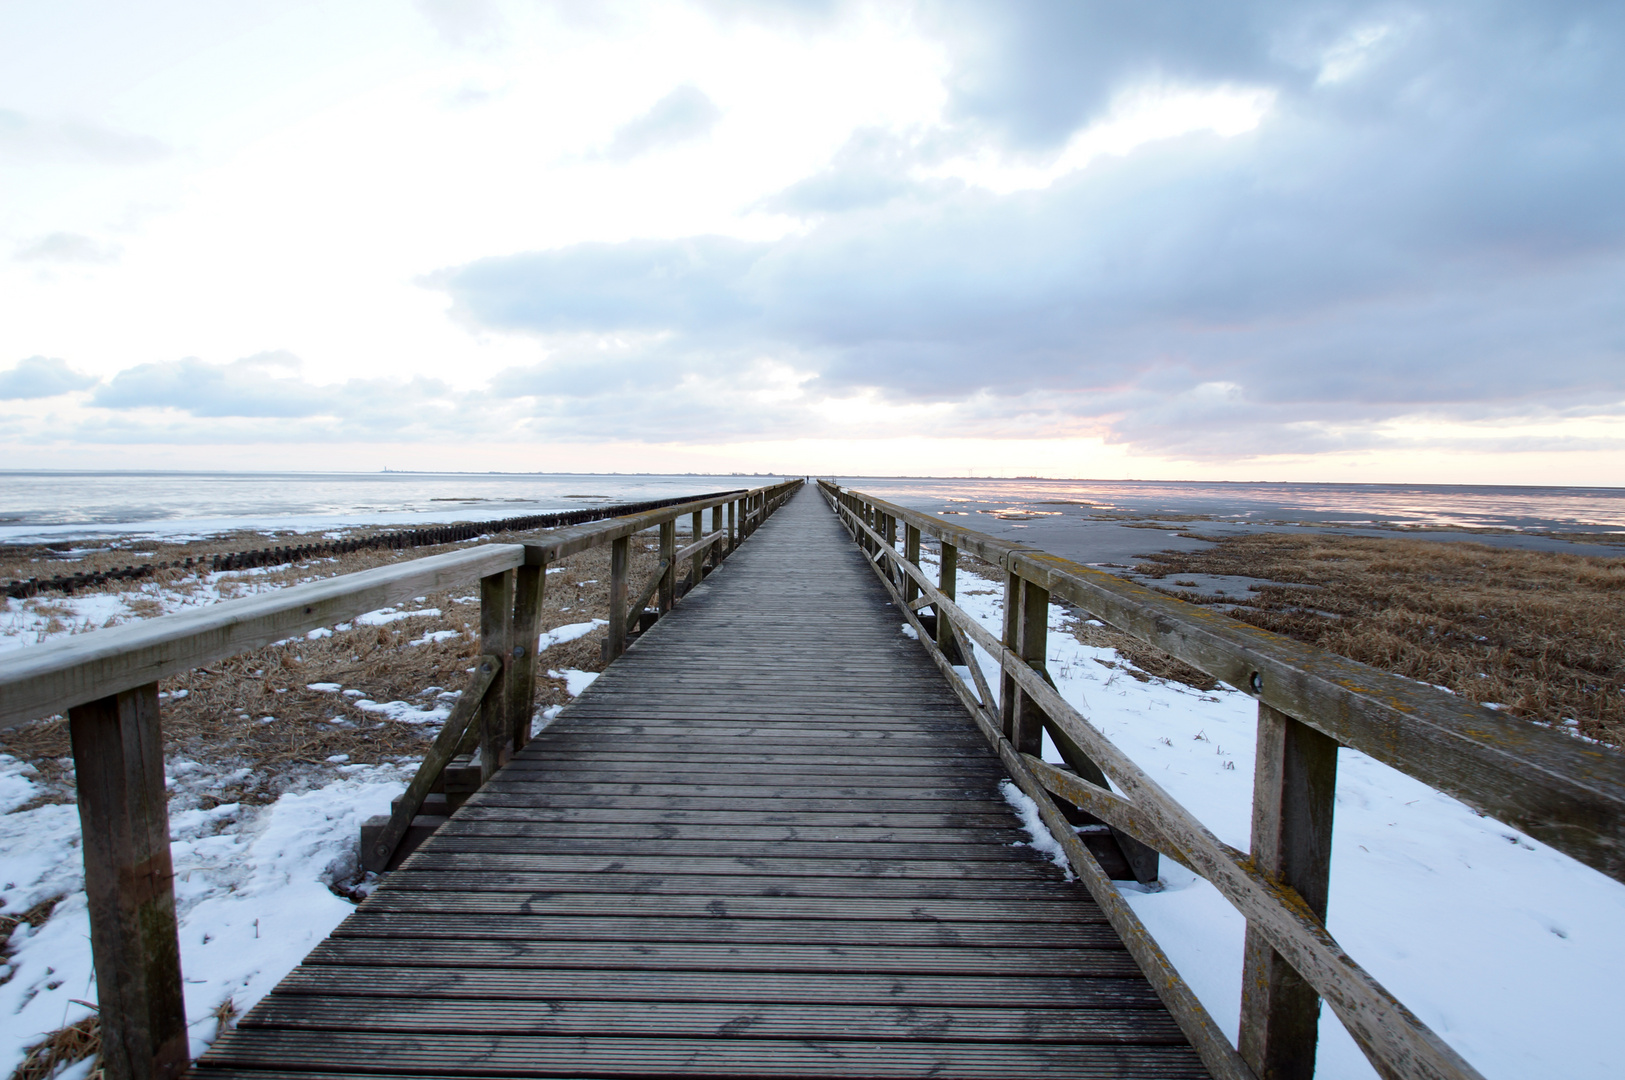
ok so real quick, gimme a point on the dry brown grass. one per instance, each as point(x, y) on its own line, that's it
point(1541, 633)
point(62, 1048)
point(219, 720)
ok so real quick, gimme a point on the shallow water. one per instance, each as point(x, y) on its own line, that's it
point(74, 505)
point(1429, 505)
point(43, 505)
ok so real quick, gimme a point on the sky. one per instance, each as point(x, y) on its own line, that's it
point(1325, 241)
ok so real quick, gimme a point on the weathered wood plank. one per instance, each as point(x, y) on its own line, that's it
point(765, 1020)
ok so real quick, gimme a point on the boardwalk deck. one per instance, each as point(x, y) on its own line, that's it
point(767, 842)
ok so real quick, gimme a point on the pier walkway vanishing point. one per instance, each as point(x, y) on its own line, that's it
point(768, 841)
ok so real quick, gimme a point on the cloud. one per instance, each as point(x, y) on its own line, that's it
point(1426, 221)
point(691, 284)
point(66, 247)
point(245, 388)
point(41, 377)
point(684, 115)
point(475, 24)
point(27, 139)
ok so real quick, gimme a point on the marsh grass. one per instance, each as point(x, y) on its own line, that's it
point(1539, 634)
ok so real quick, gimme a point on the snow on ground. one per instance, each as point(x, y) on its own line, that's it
point(1508, 949)
point(251, 887)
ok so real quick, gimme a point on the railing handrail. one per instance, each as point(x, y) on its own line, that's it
point(43, 680)
point(1564, 792)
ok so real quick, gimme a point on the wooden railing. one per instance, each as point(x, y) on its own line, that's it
point(1566, 793)
point(107, 682)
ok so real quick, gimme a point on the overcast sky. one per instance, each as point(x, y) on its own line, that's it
point(1321, 241)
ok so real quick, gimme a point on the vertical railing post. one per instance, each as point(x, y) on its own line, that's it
point(530, 582)
point(911, 552)
point(118, 757)
point(496, 627)
point(718, 549)
point(620, 560)
point(733, 525)
point(668, 556)
point(1294, 781)
point(1026, 633)
point(948, 583)
point(697, 562)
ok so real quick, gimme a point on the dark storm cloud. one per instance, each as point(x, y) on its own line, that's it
point(41, 377)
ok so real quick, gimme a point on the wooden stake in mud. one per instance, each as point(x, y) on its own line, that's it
point(118, 757)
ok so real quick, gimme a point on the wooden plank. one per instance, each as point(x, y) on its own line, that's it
point(529, 954)
point(711, 930)
point(1010, 991)
point(129, 884)
point(682, 1018)
point(938, 914)
point(540, 1055)
point(45, 679)
point(1294, 785)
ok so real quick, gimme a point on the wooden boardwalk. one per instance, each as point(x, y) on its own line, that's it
point(767, 842)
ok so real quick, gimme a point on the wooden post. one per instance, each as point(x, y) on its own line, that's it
point(718, 549)
point(496, 627)
point(1026, 633)
point(733, 525)
point(911, 552)
point(668, 552)
point(948, 582)
point(620, 560)
point(530, 582)
point(1294, 781)
point(697, 563)
point(118, 757)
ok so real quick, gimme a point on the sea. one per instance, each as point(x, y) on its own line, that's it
point(48, 505)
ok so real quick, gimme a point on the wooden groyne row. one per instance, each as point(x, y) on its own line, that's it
point(398, 540)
